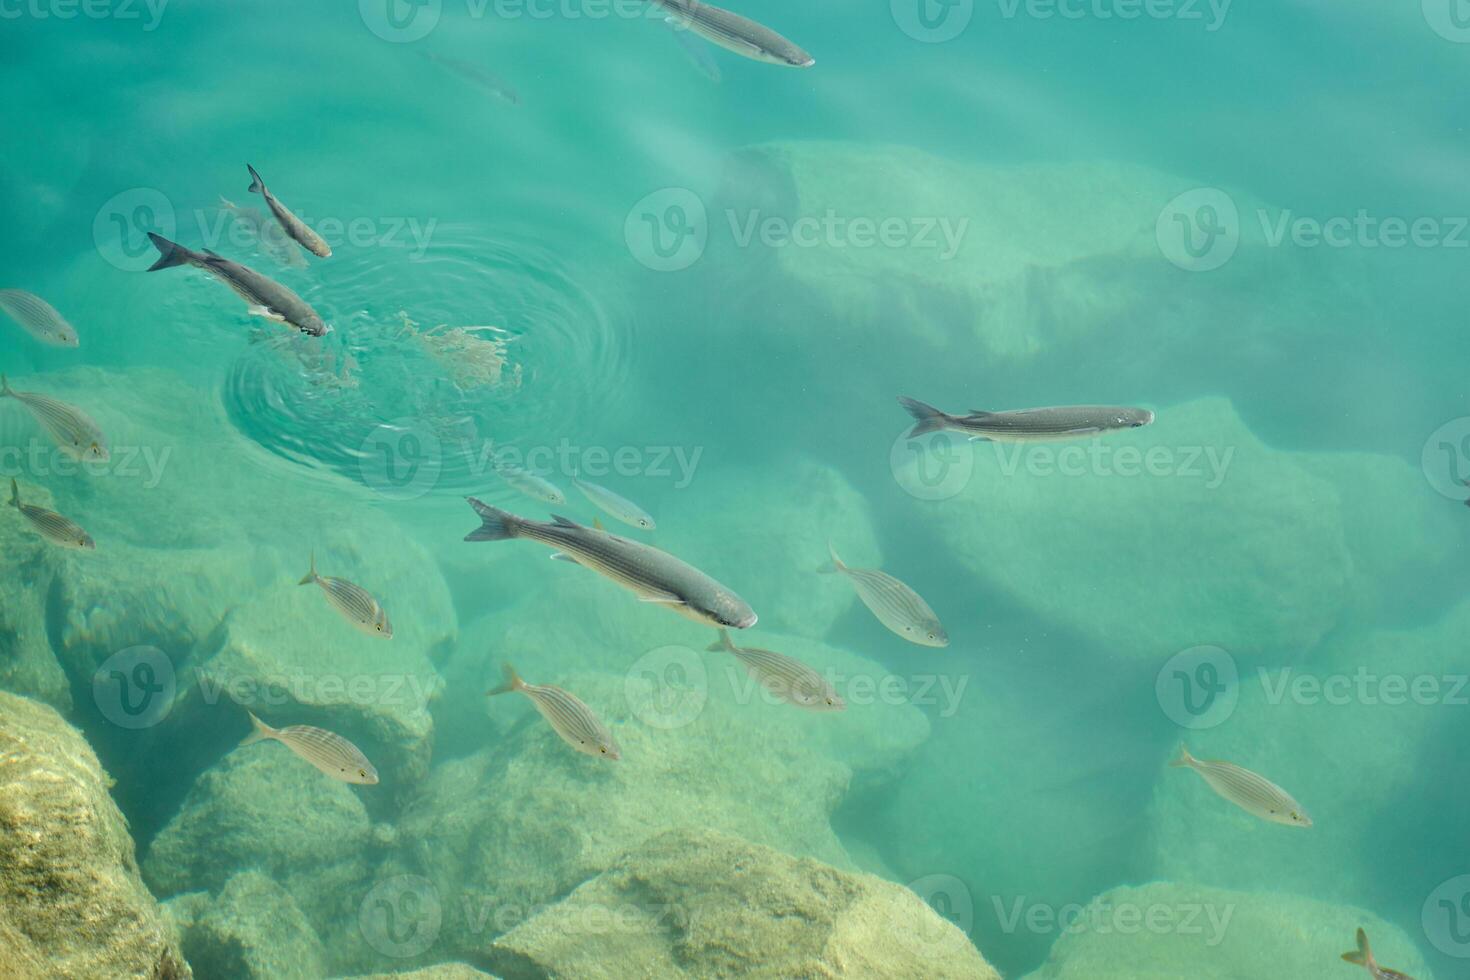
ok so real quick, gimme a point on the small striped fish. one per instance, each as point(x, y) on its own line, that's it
point(1254, 794)
point(271, 238)
point(572, 720)
point(735, 33)
point(329, 752)
point(786, 677)
point(294, 226)
point(528, 483)
point(354, 602)
point(51, 525)
point(72, 429)
point(1363, 956)
point(1027, 425)
point(39, 318)
point(613, 505)
point(896, 605)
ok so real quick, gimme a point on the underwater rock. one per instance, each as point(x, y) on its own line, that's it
point(253, 931)
point(70, 893)
point(707, 904)
point(1165, 930)
point(28, 665)
point(442, 971)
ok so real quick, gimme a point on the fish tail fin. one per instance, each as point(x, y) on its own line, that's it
point(170, 253)
point(256, 184)
point(14, 493)
point(835, 565)
point(1185, 759)
point(1363, 955)
point(259, 731)
point(311, 575)
point(513, 682)
point(927, 418)
point(498, 525)
point(723, 643)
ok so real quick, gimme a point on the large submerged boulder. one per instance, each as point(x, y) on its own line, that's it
point(254, 931)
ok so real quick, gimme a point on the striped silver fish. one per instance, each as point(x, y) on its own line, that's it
point(51, 525)
point(71, 428)
point(38, 318)
point(528, 483)
point(264, 296)
point(1363, 956)
point(572, 719)
point(786, 677)
point(1253, 793)
point(653, 575)
point(296, 228)
point(355, 603)
point(613, 505)
point(735, 33)
point(328, 751)
point(1027, 425)
point(269, 235)
point(896, 605)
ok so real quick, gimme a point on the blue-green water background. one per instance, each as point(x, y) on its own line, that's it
point(1323, 108)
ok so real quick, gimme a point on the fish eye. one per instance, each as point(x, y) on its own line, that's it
point(362, 773)
point(602, 749)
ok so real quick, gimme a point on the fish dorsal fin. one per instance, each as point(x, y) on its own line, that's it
point(213, 253)
point(560, 521)
point(980, 413)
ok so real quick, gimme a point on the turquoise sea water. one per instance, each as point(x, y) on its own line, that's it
point(558, 242)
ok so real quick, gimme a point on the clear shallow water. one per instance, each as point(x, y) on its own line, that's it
point(749, 384)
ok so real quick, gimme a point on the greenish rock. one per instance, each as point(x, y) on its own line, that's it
point(28, 665)
point(442, 971)
point(706, 904)
point(253, 930)
point(70, 893)
point(1168, 930)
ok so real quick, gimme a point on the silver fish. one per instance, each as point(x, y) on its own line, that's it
point(615, 506)
point(572, 719)
point(270, 236)
point(698, 54)
point(38, 318)
point(488, 81)
point(528, 483)
point(354, 602)
point(266, 297)
point(1027, 425)
point(1363, 956)
point(735, 33)
point(653, 575)
point(328, 751)
point(73, 429)
point(298, 230)
point(786, 677)
point(896, 605)
point(51, 525)
point(1253, 793)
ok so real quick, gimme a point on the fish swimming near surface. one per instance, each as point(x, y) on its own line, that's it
point(735, 33)
point(895, 604)
point(1027, 425)
point(265, 297)
point(328, 751)
point(1363, 956)
point(530, 484)
point(72, 429)
point(270, 236)
point(567, 714)
point(38, 318)
point(299, 230)
point(653, 575)
point(786, 677)
point(1253, 793)
point(613, 505)
point(696, 51)
point(355, 603)
point(476, 75)
point(51, 525)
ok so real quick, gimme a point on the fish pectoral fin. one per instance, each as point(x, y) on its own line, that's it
point(980, 439)
point(665, 597)
point(266, 312)
point(563, 556)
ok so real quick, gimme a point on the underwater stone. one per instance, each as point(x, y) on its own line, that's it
point(70, 893)
point(28, 665)
point(706, 904)
point(253, 931)
point(442, 971)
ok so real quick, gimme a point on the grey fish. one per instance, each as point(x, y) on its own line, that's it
point(72, 429)
point(653, 575)
point(270, 236)
point(51, 525)
point(615, 506)
point(328, 751)
point(355, 603)
point(38, 318)
point(735, 33)
point(895, 604)
point(528, 483)
point(786, 677)
point(266, 297)
point(568, 715)
point(698, 54)
point(1253, 793)
point(298, 230)
point(488, 81)
point(1027, 425)
point(1363, 956)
